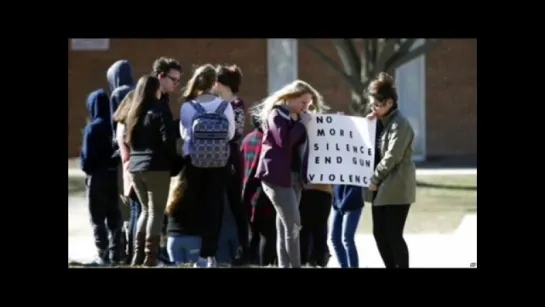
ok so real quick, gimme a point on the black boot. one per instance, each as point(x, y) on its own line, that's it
point(117, 248)
point(242, 257)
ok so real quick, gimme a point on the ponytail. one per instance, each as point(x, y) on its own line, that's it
point(203, 80)
point(190, 91)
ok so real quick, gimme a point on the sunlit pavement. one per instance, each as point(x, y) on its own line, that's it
point(456, 250)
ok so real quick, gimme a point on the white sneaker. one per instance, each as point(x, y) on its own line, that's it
point(201, 263)
point(212, 263)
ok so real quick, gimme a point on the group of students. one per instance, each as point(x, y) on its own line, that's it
point(217, 196)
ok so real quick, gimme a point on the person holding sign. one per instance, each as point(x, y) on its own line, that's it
point(282, 165)
point(393, 184)
point(314, 209)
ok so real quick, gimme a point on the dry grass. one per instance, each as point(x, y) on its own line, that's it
point(441, 203)
point(76, 185)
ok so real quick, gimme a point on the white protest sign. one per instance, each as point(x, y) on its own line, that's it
point(341, 149)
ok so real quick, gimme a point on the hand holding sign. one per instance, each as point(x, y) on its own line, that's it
point(306, 117)
point(371, 115)
point(341, 149)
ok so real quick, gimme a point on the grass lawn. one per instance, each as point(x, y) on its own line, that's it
point(76, 185)
point(441, 203)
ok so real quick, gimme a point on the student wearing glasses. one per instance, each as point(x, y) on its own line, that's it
point(393, 185)
point(168, 71)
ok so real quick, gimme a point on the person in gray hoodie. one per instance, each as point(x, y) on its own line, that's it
point(121, 81)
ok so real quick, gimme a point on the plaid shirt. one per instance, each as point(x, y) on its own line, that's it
point(238, 109)
point(251, 186)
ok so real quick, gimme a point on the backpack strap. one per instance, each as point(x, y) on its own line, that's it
point(221, 108)
point(197, 107)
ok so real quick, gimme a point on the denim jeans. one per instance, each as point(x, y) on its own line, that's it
point(133, 220)
point(343, 231)
point(183, 249)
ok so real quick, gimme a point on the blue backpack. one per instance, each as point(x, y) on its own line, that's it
point(209, 139)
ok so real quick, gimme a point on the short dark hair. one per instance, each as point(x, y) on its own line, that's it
point(163, 65)
point(229, 76)
point(383, 88)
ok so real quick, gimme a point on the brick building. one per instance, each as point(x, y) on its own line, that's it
point(449, 87)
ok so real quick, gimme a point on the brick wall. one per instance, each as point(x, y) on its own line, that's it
point(87, 70)
point(451, 98)
point(451, 81)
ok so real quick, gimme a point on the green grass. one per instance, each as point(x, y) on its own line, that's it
point(437, 193)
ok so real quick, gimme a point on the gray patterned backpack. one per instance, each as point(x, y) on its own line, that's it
point(209, 139)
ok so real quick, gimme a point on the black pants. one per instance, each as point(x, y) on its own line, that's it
point(207, 187)
point(103, 202)
point(263, 243)
point(234, 195)
point(388, 224)
point(314, 209)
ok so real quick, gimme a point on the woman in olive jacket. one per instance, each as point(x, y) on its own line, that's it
point(392, 189)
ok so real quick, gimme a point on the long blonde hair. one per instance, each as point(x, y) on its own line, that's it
point(293, 90)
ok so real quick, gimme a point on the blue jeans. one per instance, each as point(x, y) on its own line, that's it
point(133, 220)
point(183, 249)
point(343, 231)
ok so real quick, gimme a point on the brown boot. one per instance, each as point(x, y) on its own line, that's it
point(152, 247)
point(139, 244)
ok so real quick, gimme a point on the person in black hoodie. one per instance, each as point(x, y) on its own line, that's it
point(152, 144)
point(101, 169)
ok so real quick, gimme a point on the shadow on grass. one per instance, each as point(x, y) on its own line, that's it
point(76, 185)
point(445, 186)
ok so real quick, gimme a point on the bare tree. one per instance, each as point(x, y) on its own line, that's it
point(361, 65)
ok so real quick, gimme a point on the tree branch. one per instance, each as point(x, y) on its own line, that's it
point(373, 52)
point(349, 56)
point(386, 53)
point(353, 82)
point(409, 55)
